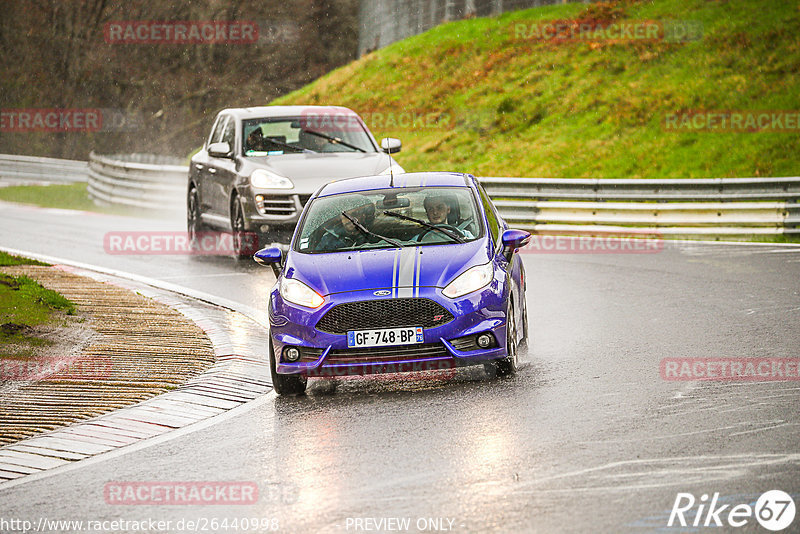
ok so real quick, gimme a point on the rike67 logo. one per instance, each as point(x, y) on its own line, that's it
point(774, 510)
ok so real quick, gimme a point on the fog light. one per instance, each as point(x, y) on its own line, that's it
point(259, 198)
point(484, 341)
point(291, 354)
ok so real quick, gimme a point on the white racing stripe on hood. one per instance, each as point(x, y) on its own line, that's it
point(418, 265)
point(405, 272)
point(394, 272)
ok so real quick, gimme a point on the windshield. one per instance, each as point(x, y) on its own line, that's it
point(389, 218)
point(287, 135)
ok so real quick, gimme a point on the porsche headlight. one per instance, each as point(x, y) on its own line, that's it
point(264, 179)
point(297, 292)
point(395, 169)
point(470, 280)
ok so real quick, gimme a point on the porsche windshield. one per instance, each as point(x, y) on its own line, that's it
point(277, 136)
point(389, 218)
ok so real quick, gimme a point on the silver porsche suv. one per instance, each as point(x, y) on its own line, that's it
point(259, 166)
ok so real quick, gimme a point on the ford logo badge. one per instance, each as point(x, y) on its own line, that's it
point(382, 293)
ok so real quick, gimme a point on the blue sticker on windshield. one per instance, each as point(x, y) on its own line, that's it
point(275, 153)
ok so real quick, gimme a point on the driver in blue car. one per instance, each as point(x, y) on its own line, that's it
point(348, 235)
point(437, 209)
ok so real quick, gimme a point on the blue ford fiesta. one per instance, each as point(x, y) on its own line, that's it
point(390, 274)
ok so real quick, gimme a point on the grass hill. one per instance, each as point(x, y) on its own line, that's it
point(491, 98)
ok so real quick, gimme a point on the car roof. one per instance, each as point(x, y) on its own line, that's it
point(259, 112)
point(412, 179)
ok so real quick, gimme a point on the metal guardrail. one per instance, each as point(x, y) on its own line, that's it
point(707, 207)
point(138, 180)
point(681, 207)
point(35, 169)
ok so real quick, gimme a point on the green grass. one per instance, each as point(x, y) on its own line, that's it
point(72, 196)
point(25, 304)
point(69, 197)
point(503, 105)
point(7, 259)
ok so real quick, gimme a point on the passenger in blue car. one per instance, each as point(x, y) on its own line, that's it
point(347, 235)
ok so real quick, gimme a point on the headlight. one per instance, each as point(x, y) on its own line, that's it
point(470, 280)
point(264, 179)
point(395, 169)
point(297, 292)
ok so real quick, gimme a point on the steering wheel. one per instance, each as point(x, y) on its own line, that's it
point(449, 227)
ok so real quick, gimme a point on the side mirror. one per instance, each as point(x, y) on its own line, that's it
point(219, 150)
point(390, 145)
point(272, 256)
point(514, 240)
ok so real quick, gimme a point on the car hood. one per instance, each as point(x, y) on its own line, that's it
point(310, 171)
point(397, 270)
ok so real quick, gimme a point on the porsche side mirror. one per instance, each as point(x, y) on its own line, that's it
point(220, 150)
point(390, 145)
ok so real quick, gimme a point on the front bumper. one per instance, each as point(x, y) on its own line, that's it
point(326, 354)
point(272, 208)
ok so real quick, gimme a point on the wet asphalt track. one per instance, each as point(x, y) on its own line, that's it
point(587, 438)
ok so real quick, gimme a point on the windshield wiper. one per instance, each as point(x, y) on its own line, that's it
point(335, 140)
point(370, 232)
point(448, 233)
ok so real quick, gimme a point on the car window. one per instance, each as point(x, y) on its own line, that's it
point(229, 133)
point(277, 136)
point(491, 215)
point(399, 216)
point(216, 131)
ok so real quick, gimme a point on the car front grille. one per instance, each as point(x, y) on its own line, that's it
point(309, 354)
point(281, 205)
point(384, 313)
point(387, 354)
point(465, 344)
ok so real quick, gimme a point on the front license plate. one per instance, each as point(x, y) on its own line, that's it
point(385, 336)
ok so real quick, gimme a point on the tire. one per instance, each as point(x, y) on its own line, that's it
point(508, 365)
point(524, 341)
point(194, 224)
point(285, 384)
point(242, 245)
